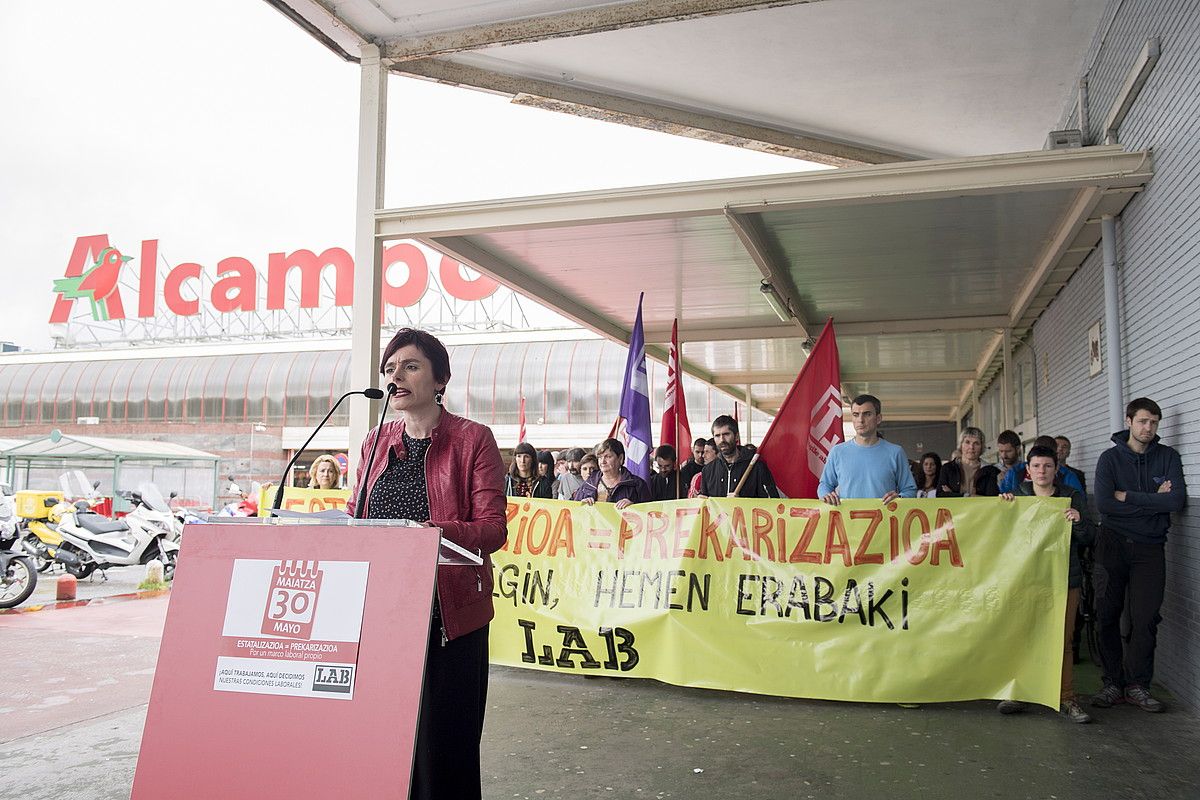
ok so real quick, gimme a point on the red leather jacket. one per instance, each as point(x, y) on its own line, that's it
point(464, 476)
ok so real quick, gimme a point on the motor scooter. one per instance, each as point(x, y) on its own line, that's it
point(101, 543)
point(18, 574)
point(151, 511)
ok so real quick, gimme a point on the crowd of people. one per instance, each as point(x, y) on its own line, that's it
point(447, 471)
point(718, 467)
point(1139, 483)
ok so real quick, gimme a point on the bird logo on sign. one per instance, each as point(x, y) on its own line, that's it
point(97, 284)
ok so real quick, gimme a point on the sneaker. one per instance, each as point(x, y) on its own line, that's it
point(1141, 697)
point(1073, 712)
point(1108, 697)
point(1010, 707)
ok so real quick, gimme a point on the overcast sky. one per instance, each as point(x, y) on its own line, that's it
point(220, 128)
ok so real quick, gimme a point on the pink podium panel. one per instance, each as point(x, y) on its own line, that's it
point(291, 663)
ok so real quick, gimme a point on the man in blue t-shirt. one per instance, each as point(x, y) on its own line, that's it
point(866, 466)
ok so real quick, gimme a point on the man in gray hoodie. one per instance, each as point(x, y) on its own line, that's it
point(1139, 484)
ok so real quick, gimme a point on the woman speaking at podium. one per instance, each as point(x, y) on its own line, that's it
point(439, 468)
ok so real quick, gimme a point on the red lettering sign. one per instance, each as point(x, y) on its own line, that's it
point(236, 287)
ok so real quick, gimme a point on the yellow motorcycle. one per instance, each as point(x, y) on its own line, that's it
point(40, 514)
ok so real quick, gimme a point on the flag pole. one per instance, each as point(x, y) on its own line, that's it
point(746, 474)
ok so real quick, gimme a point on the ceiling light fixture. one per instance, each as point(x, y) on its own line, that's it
point(775, 302)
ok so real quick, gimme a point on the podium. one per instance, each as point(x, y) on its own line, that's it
point(292, 660)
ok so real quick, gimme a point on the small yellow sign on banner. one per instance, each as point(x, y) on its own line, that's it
point(306, 500)
point(915, 601)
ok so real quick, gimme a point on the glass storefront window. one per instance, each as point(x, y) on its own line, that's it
point(14, 404)
point(194, 404)
point(341, 385)
point(177, 385)
point(558, 377)
point(235, 387)
point(456, 391)
point(118, 390)
point(276, 388)
point(156, 388)
point(215, 383)
point(504, 397)
point(321, 388)
point(583, 381)
point(533, 372)
point(136, 390)
point(297, 388)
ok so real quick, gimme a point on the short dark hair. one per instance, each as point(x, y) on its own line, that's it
point(699, 442)
point(574, 454)
point(725, 421)
point(1041, 451)
point(588, 458)
point(711, 443)
point(1142, 404)
point(430, 347)
point(863, 399)
point(1009, 437)
point(665, 451)
point(1044, 441)
point(613, 445)
point(1061, 438)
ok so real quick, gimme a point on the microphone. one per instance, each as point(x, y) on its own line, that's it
point(359, 506)
point(371, 394)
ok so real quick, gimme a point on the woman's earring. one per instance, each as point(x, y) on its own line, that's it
point(437, 396)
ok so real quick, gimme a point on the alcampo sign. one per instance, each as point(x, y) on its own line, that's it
point(94, 271)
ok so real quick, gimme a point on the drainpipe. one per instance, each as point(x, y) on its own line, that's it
point(1006, 384)
point(1112, 324)
point(749, 414)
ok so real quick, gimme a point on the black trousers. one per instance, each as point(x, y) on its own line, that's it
point(1124, 565)
point(453, 701)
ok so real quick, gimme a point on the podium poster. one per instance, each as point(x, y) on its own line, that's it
point(291, 663)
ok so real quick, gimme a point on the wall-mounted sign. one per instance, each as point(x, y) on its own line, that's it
point(1095, 363)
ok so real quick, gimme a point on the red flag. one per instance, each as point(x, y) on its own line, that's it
point(675, 429)
point(521, 422)
point(809, 422)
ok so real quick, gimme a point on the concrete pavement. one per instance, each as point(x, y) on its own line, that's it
point(77, 680)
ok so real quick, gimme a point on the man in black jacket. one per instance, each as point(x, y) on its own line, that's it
point(1062, 445)
point(721, 477)
point(1139, 484)
point(693, 465)
point(667, 483)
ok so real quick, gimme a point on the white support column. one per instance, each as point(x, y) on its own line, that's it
point(368, 254)
point(1006, 380)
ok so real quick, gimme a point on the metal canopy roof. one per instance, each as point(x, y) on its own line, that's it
point(98, 447)
point(833, 81)
point(925, 266)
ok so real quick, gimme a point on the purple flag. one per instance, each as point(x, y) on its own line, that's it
point(634, 428)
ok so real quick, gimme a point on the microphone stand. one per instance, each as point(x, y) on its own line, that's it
point(373, 394)
point(359, 507)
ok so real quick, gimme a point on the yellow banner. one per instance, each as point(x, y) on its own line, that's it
point(917, 601)
point(306, 500)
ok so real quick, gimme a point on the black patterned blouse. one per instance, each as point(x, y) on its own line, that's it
point(400, 492)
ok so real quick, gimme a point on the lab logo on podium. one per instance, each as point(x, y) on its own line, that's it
point(292, 600)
